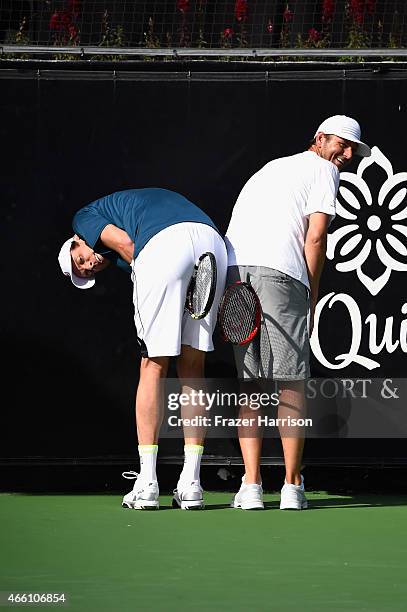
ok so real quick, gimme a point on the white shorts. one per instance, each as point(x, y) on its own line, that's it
point(161, 275)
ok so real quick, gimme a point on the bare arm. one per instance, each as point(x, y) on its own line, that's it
point(314, 253)
point(118, 240)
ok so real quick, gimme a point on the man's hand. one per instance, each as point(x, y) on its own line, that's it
point(118, 240)
point(311, 317)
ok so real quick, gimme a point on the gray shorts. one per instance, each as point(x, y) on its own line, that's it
point(280, 351)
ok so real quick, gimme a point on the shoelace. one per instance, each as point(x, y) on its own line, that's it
point(134, 476)
point(130, 475)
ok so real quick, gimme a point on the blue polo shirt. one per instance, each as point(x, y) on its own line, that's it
point(141, 213)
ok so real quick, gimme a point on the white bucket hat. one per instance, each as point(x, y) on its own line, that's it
point(65, 261)
point(347, 128)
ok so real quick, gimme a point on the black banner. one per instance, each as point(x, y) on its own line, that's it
point(70, 357)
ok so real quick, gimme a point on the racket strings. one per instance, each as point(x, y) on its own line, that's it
point(266, 356)
point(239, 316)
point(203, 283)
point(203, 286)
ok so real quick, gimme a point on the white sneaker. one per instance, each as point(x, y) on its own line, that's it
point(293, 497)
point(144, 494)
point(188, 496)
point(249, 497)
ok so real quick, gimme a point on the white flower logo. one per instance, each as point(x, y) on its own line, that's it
point(363, 215)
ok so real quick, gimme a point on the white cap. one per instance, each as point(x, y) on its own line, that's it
point(65, 261)
point(347, 128)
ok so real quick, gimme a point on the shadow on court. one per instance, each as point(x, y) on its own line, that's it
point(368, 501)
point(357, 501)
point(364, 501)
point(207, 507)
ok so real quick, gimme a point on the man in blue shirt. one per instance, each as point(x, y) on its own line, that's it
point(157, 236)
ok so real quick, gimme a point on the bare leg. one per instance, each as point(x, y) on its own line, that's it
point(250, 439)
point(149, 399)
point(292, 404)
point(191, 372)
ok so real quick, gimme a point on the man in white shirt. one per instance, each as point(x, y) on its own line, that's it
point(276, 240)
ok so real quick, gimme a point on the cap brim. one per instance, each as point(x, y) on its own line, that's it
point(82, 283)
point(363, 150)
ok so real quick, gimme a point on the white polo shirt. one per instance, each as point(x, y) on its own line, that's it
point(270, 218)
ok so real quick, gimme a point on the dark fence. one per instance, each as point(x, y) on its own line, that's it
point(205, 24)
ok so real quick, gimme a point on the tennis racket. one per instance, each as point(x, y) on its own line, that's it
point(202, 286)
point(239, 314)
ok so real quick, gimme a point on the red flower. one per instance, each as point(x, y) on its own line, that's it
point(357, 10)
point(73, 32)
point(227, 33)
point(371, 6)
point(288, 15)
point(59, 21)
point(64, 22)
point(54, 21)
point(270, 26)
point(328, 9)
point(74, 7)
point(314, 35)
point(241, 10)
point(183, 5)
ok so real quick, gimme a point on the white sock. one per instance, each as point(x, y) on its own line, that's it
point(192, 462)
point(148, 461)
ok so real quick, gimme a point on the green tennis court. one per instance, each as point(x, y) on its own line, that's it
point(344, 553)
